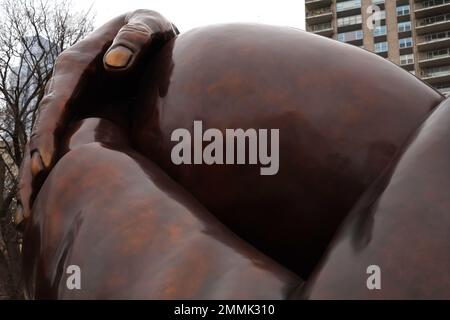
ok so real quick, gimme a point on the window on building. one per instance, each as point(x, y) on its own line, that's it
point(443, 88)
point(379, 31)
point(348, 21)
point(431, 3)
point(437, 35)
point(350, 36)
point(434, 19)
point(436, 71)
point(403, 10)
point(438, 53)
point(404, 26)
point(406, 59)
point(318, 12)
point(348, 5)
point(405, 42)
point(381, 47)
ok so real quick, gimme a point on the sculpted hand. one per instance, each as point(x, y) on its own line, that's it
point(113, 48)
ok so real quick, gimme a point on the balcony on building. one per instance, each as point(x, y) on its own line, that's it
point(347, 7)
point(319, 15)
point(434, 58)
point(426, 8)
point(431, 41)
point(433, 24)
point(323, 29)
point(443, 88)
point(315, 4)
point(434, 75)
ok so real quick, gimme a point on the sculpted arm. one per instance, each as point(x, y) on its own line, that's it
point(113, 48)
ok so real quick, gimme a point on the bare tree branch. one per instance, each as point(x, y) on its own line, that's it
point(32, 34)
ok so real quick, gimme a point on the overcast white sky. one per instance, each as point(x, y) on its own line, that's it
point(187, 14)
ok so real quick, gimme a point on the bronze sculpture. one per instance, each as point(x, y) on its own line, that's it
point(139, 226)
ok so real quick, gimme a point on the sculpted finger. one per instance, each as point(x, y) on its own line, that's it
point(24, 191)
point(141, 29)
point(71, 69)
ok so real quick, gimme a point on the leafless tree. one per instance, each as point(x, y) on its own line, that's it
point(32, 34)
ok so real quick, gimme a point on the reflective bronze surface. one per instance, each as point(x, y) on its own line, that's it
point(342, 112)
point(401, 224)
point(141, 227)
point(134, 233)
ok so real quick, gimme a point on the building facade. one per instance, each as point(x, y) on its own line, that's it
point(414, 34)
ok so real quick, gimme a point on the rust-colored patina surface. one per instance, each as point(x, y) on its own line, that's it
point(401, 223)
point(139, 226)
point(340, 126)
point(134, 232)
